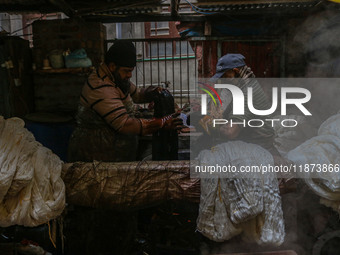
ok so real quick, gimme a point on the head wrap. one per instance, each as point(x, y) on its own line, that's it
point(122, 53)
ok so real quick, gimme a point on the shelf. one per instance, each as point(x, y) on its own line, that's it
point(79, 70)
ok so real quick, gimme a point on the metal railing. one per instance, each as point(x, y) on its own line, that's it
point(177, 64)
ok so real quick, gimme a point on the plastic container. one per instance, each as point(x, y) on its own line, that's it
point(77, 58)
point(56, 59)
point(51, 130)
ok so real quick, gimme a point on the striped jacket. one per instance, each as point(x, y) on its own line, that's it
point(263, 135)
point(102, 114)
point(101, 94)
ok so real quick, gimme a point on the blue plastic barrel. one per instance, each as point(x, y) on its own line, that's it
point(51, 130)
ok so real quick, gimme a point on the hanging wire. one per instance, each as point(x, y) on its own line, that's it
point(30, 24)
point(3, 29)
point(21, 28)
point(24, 35)
point(199, 9)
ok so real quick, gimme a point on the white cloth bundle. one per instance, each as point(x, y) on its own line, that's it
point(322, 150)
point(288, 138)
point(236, 203)
point(31, 190)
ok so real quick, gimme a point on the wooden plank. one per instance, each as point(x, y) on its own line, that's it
point(65, 70)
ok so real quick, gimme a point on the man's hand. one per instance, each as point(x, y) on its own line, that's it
point(169, 122)
point(172, 122)
point(231, 132)
point(206, 124)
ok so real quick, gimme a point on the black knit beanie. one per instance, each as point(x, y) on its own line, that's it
point(122, 53)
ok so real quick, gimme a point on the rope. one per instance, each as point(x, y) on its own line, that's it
point(49, 233)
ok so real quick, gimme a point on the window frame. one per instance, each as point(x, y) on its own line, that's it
point(173, 34)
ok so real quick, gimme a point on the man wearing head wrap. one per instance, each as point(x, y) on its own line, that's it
point(106, 129)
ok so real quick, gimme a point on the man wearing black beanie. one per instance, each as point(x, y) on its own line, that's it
point(106, 129)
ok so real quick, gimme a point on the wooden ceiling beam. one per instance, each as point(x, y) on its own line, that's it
point(174, 8)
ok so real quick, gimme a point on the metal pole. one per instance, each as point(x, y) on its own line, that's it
point(188, 72)
point(195, 49)
point(136, 68)
point(165, 70)
point(158, 64)
point(173, 67)
point(202, 60)
point(180, 69)
point(143, 43)
point(150, 55)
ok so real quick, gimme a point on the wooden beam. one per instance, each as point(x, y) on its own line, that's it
point(143, 18)
point(174, 8)
point(207, 28)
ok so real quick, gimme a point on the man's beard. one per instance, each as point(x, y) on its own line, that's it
point(124, 85)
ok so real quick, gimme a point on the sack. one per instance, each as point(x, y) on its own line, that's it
point(31, 189)
point(77, 58)
point(233, 203)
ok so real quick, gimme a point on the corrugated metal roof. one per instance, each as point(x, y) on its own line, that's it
point(228, 2)
point(231, 6)
point(82, 7)
point(147, 10)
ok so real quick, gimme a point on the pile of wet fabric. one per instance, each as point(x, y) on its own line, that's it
point(246, 204)
point(288, 138)
point(319, 162)
point(31, 190)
